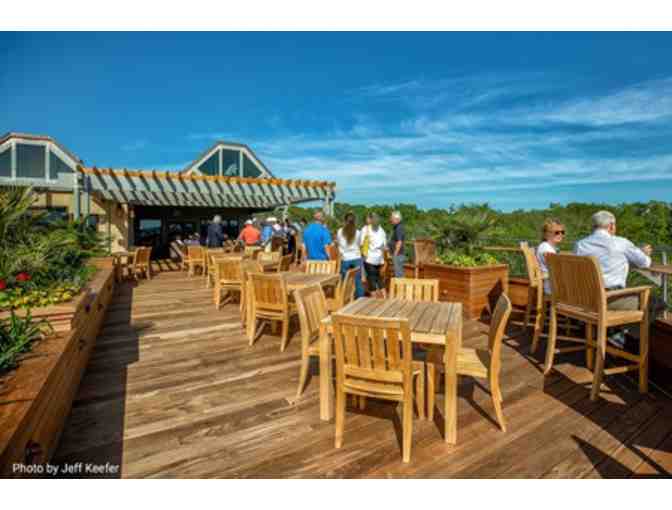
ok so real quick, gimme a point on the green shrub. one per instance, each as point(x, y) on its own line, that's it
point(17, 335)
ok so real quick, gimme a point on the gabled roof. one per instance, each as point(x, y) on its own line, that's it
point(226, 145)
point(40, 138)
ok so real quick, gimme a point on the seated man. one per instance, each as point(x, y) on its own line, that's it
point(614, 254)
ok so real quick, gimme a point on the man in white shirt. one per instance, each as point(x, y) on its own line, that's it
point(614, 254)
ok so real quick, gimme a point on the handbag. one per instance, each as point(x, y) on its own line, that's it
point(365, 244)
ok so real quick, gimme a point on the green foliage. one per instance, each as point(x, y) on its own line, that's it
point(17, 334)
point(456, 258)
point(41, 263)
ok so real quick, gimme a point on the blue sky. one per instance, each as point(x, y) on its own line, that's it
point(518, 120)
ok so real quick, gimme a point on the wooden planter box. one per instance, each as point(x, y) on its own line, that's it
point(35, 399)
point(477, 288)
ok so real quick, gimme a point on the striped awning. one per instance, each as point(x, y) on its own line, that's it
point(179, 189)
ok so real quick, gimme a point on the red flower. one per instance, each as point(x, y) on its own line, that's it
point(3, 284)
point(22, 277)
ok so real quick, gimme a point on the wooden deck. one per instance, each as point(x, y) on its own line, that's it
point(173, 390)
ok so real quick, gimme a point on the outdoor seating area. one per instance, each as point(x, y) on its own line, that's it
point(187, 380)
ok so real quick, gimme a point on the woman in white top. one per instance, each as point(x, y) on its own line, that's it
point(349, 240)
point(374, 259)
point(553, 233)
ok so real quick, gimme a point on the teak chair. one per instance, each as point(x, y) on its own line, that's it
point(210, 255)
point(322, 267)
point(285, 263)
point(270, 301)
point(195, 258)
point(141, 263)
point(374, 359)
point(424, 251)
point(579, 293)
point(248, 266)
point(312, 307)
point(251, 251)
point(228, 277)
point(482, 363)
point(177, 252)
point(413, 289)
point(345, 291)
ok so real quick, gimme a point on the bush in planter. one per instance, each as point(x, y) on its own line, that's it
point(40, 263)
point(460, 236)
point(17, 335)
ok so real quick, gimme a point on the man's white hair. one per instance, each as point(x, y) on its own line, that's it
point(396, 215)
point(217, 219)
point(602, 219)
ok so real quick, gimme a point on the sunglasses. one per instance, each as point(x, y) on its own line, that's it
point(558, 232)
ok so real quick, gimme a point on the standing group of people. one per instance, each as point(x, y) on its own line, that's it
point(362, 249)
point(262, 233)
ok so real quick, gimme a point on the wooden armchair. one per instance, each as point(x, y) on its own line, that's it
point(248, 266)
point(195, 259)
point(141, 263)
point(312, 307)
point(345, 291)
point(374, 359)
point(270, 301)
point(482, 363)
point(209, 272)
point(228, 277)
point(413, 289)
point(271, 256)
point(178, 254)
point(322, 267)
point(578, 292)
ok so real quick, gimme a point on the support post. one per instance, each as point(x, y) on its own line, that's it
point(75, 195)
point(664, 277)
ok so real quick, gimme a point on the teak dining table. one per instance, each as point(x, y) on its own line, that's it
point(430, 324)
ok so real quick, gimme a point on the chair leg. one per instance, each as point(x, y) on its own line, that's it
point(218, 296)
point(538, 327)
point(496, 395)
point(303, 375)
point(253, 327)
point(420, 395)
point(431, 390)
point(340, 416)
point(528, 310)
point(550, 346)
point(644, 356)
point(600, 352)
point(361, 402)
point(590, 359)
point(407, 426)
point(285, 334)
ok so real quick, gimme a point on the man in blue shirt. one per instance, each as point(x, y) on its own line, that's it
point(267, 231)
point(316, 238)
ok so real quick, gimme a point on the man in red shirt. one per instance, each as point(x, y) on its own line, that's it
point(250, 235)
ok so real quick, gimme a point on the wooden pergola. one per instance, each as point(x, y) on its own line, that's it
point(180, 189)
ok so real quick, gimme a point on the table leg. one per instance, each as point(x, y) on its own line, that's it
point(326, 391)
point(450, 413)
point(250, 313)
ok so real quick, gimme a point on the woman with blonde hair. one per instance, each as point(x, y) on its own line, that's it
point(552, 234)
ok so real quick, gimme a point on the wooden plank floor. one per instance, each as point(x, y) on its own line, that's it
point(173, 390)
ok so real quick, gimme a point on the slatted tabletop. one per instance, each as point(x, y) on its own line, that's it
point(299, 280)
point(429, 322)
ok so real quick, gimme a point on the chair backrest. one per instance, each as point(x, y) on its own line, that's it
point(251, 251)
point(577, 281)
point(424, 251)
point(414, 289)
point(285, 263)
point(142, 256)
point(196, 253)
point(534, 274)
point(238, 247)
point(269, 291)
point(321, 266)
point(372, 349)
point(346, 288)
point(498, 321)
point(228, 270)
point(312, 307)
